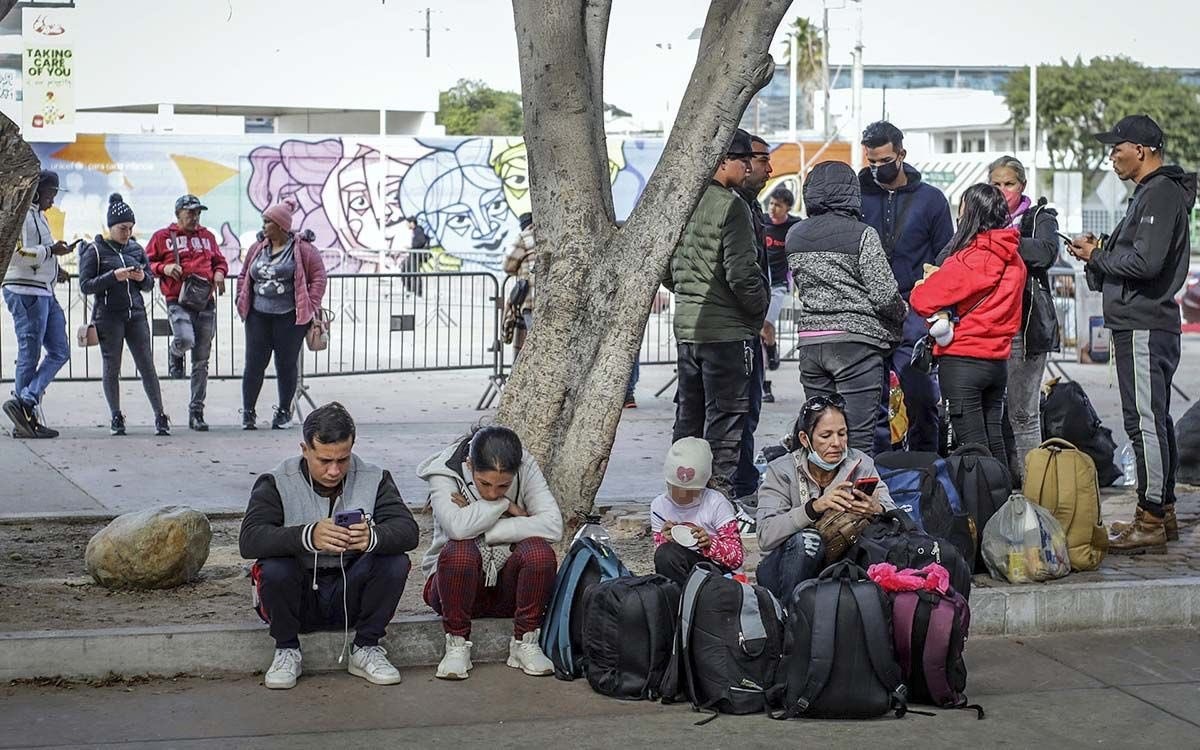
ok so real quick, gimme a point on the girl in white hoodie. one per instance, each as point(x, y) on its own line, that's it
point(493, 522)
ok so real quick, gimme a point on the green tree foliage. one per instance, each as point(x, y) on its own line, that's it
point(474, 108)
point(808, 43)
point(1078, 99)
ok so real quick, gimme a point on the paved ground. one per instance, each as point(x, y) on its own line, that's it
point(402, 418)
point(1135, 689)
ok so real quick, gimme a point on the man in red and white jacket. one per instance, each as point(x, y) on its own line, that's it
point(177, 252)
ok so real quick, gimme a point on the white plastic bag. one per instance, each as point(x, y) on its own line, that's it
point(1023, 543)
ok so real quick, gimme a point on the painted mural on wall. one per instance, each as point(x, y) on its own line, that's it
point(354, 194)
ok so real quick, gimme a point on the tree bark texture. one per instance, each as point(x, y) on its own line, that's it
point(18, 179)
point(596, 281)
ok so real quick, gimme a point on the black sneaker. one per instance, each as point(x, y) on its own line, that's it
point(282, 420)
point(22, 418)
point(768, 397)
point(196, 421)
point(117, 426)
point(249, 419)
point(174, 367)
point(162, 425)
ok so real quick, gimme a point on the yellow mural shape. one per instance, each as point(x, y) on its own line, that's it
point(56, 219)
point(201, 175)
point(90, 151)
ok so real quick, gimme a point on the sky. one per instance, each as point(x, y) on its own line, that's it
point(895, 32)
point(371, 53)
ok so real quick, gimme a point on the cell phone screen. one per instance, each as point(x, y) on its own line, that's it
point(866, 485)
point(1065, 238)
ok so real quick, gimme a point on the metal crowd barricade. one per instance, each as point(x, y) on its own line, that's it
point(383, 323)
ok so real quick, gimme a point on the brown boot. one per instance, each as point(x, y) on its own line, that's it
point(1145, 534)
point(1170, 525)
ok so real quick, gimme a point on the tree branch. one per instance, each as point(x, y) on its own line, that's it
point(596, 16)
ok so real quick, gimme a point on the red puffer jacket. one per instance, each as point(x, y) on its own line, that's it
point(989, 269)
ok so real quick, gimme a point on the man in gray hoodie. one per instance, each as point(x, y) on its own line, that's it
point(37, 317)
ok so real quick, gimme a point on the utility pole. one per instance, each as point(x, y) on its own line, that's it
point(857, 85)
point(1033, 144)
point(825, 64)
point(792, 63)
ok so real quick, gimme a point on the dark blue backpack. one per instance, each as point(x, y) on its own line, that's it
point(587, 563)
point(921, 486)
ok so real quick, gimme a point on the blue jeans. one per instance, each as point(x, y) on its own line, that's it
point(40, 324)
point(795, 561)
point(921, 394)
point(634, 376)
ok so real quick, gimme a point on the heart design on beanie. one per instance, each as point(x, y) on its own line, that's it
point(685, 473)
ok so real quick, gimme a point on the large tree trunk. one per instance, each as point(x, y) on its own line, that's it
point(18, 179)
point(595, 281)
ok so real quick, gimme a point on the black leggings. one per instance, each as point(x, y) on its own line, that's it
point(974, 392)
point(115, 334)
point(268, 334)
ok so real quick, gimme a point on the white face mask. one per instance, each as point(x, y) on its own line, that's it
point(815, 459)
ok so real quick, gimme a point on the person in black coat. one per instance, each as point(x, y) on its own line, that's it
point(116, 272)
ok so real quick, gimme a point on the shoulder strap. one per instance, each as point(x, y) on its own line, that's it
point(687, 612)
point(561, 607)
point(904, 615)
point(933, 658)
point(824, 631)
point(875, 630)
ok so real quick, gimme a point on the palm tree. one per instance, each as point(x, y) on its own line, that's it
point(806, 38)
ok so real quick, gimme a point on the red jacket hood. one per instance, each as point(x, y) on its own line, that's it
point(982, 284)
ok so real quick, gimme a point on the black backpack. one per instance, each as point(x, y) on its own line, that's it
point(628, 633)
point(983, 486)
point(1067, 414)
point(893, 538)
point(921, 485)
point(842, 664)
point(587, 563)
point(728, 645)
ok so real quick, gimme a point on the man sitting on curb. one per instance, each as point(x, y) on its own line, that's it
point(313, 574)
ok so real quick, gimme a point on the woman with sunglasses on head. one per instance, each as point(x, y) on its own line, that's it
point(819, 476)
point(976, 295)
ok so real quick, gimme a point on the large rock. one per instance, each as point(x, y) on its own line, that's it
point(150, 549)
point(1187, 436)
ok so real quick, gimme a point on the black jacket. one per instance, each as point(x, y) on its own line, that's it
point(913, 223)
point(1144, 262)
point(264, 535)
point(98, 260)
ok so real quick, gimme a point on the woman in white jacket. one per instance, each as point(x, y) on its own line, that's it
point(493, 522)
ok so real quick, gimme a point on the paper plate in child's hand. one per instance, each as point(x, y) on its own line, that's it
point(683, 536)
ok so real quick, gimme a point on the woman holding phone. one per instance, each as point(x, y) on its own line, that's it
point(822, 474)
point(116, 272)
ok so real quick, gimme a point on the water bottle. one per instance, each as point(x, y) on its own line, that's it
point(591, 529)
point(1128, 463)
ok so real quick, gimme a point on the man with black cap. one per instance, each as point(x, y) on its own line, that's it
point(1140, 268)
point(720, 301)
point(37, 317)
point(188, 261)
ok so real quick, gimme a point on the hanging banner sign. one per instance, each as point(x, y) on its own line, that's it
point(48, 94)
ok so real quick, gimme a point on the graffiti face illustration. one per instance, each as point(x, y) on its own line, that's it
point(460, 199)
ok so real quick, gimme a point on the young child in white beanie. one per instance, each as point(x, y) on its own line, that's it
point(692, 523)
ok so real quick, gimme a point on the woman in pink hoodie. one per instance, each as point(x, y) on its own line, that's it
point(280, 292)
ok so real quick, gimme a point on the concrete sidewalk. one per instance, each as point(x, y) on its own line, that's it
point(1121, 690)
point(402, 420)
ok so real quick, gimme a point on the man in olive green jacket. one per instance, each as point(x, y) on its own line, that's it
point(720, 303)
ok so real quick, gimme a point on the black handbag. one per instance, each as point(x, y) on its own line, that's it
point(1041, 328)
point(195, 291)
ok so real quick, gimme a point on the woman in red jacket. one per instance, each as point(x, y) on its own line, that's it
point(282, 285)
point(979, 288)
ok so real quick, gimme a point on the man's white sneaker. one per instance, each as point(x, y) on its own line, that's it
point(456, 664)
point(371, 664)
point(526, 655)
point(285, 669)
